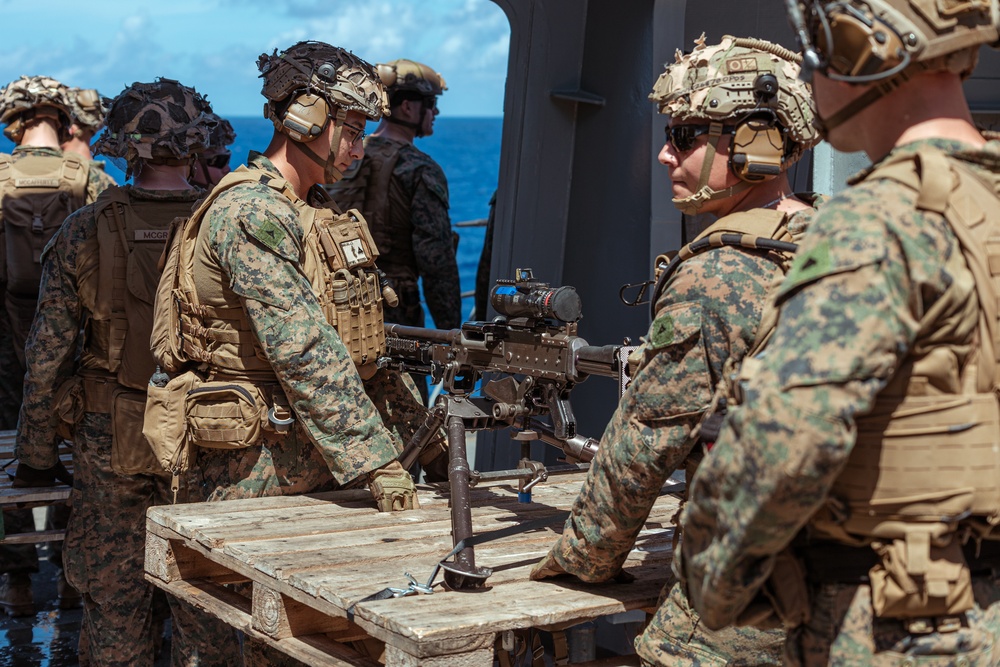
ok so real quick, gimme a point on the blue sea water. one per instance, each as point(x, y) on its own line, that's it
point(468, 149)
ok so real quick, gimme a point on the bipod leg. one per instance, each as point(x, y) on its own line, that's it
point(462, 572)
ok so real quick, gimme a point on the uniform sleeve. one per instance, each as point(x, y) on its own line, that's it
point(709, 312)
point(434, 248)
point(848, 316)
point(97, 182)
point(52, 340)
point(257, 247)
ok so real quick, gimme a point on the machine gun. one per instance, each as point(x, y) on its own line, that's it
point(535, 359)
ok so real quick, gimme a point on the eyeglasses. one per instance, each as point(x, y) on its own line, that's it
point(220, 161)
point(682, 137)
point(359, 133)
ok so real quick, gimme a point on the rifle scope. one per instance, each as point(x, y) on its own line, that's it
point(536, 300)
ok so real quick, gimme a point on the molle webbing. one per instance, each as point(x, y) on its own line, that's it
point(925, 455)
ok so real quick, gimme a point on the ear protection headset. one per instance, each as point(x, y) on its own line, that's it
point(757, 149)
point(305, 117)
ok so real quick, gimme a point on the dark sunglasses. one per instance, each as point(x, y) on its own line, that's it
point(218, 161)
point(682, 137)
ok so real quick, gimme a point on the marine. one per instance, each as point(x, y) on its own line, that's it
point(99, 275)
point(730, 138)
point(268, 316)
point(403, 193)
point(39, 186)
point(853, 488)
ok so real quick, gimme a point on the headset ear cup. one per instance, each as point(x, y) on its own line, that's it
point(756, 151)
point(305, 117)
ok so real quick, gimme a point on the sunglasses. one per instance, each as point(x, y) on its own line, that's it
point(682, 137)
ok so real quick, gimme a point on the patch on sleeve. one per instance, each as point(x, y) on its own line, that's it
point(437, 186)
point(842, 252)
point(268, 233)
point(676, 324)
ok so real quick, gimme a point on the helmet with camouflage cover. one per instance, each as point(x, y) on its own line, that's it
point(748, 88)
point(212, 163)
point(886, 41)
point(222, 134)
point(311, 83)
point(162, 122)
point(88, 108)
point(34, 97)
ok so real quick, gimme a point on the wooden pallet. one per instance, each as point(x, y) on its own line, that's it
point(304, 561)
point(25, 498)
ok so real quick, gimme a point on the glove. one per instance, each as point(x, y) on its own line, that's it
point(546, 568)
point(393, 489)
point(33, 477)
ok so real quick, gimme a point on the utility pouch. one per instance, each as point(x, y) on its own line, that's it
point(357, 316)
point(788, 591)
point(68, 405)
point(164, 424)
point(225, 414)
point(130, 453)
point(915, 579)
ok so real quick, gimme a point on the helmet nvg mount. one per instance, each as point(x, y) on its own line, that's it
point(162, 122)
point(311, 83)
point(748, 88)
point(885, 41)
point(31, 97)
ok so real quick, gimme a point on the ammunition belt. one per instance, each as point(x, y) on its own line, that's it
point(834, 563)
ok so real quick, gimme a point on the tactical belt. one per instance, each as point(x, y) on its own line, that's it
point(834, 563)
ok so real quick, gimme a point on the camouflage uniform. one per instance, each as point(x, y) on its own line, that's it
point(328, 445)
point(415, 240)
point(708, 314)
point(870, 269)
point(23, 558)
point(105, 540)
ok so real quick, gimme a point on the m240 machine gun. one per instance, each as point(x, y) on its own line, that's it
point(534, 359)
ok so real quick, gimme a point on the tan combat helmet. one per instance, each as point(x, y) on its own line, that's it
point(311, 83)
point(88, 108)
point(161, 122)
point(410, 80)
point(886, 41)
point(32, 97)
point(748, 88)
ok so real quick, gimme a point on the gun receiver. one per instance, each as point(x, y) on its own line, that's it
point(534, 359)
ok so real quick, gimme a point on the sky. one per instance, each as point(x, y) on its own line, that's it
point(213, 44)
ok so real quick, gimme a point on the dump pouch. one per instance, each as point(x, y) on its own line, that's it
point(915, 579)
point(130, 452)
point(164, 424)
point(225, 414)
point(68, 405)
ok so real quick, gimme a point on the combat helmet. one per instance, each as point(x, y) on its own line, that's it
point(745, 87)
point(311, 83)
point(410, 80)
point(87, 108)
point(32, 97)
point(161, 122)
point(885, 41)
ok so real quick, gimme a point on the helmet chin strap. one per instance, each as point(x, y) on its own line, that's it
point(330, 172)
point(692, 204)
point(859, 104)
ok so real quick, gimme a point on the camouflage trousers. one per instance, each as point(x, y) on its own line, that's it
point(676, 637)
point(843, 631)
point(104, 557)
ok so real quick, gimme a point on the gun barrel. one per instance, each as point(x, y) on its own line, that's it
point(598, 360)
point(446, 336)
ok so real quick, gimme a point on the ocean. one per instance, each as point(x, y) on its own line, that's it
point(468, 149)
